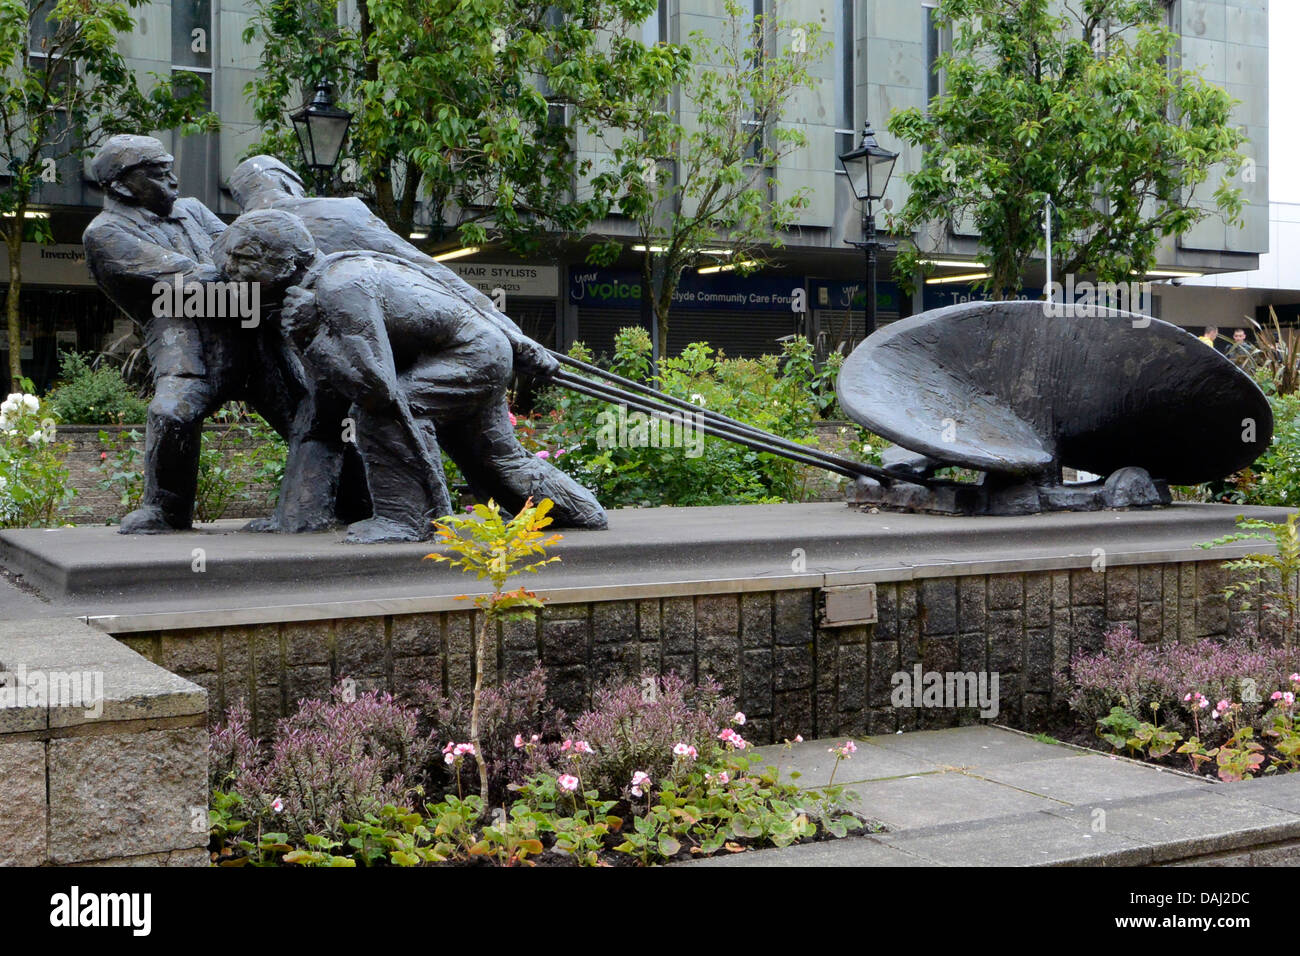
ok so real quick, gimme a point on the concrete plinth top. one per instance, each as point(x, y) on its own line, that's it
point(245, 578)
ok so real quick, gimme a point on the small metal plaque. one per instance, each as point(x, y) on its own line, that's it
point(852, 604)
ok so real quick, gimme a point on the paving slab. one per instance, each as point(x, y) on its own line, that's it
point(1030, 839)
point(938, 798)
point(1281, 792)
point(850, 851)
point(814, 764)
point(970, 747)
point(1089, 778)
point(1193, 823)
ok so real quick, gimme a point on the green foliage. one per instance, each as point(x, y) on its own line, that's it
point(1079, 104)
point(85, 395)
point(33, 479)
point(1274, 477)
point(241, 453)
point(781, 394)
point(1240, 757)
point(488, 546)
point(719, 192)
point(449, 107)
point(121, 468)
point(729, 805)
point(1267, 577)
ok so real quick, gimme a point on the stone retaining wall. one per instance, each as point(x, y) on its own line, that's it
point(120, 782)
point(790, 674)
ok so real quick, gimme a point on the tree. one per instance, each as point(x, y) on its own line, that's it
point(66, 88)
point(1083, 106)
point(469, 105)
point(493, 548)
point(702, 178)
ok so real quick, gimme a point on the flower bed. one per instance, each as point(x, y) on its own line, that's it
point(1224, 710)
point(657, 771)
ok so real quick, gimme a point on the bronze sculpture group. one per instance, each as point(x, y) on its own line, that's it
point(372, 360)
point(368, 357)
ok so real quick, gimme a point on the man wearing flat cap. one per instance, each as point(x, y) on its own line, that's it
point(146, 236)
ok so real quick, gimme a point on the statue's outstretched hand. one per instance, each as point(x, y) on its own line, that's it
point(534, 359)
point(298, 316)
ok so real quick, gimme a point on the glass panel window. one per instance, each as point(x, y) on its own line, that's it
point(192, 33)
point(845, 78)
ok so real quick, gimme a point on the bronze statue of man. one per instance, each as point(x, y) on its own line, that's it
point(151, 253)
point(425, 370)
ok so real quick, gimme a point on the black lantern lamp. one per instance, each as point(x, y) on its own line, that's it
point(868, 168)
point(322, 126)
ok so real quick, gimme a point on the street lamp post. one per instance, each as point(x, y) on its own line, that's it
point(869, 168)
point(322, 126)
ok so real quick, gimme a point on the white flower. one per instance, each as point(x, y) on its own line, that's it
point(31, 402)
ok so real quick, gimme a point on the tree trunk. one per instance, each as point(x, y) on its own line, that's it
point(13, 231)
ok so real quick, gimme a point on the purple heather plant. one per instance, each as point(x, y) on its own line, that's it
point(331, 762)
point(517, 707)
point(634, 726)
point(232, 748)
point(1130, 674)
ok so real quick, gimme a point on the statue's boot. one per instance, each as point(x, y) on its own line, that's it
point(485, 448)
point(404, 474)
point(150, 519)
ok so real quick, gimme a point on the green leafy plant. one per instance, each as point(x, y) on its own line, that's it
point(120, 467)
point(598, 443)
point(491, 548)
point(1267, 578)
point(33, 477)
point(90, 395)
point(1083, 103)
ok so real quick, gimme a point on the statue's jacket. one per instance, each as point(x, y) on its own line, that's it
point(130, 249)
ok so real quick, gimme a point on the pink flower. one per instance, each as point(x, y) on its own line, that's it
point(277, 805)
point(722, 777)
point(1222, 706)
point(560, 451)
point(567, 745)
point(543, 454)
point(567, 781)
point(103, 455)
point(582, 747)
point(798, 738)
point(738, 719)
point(461, 749)
point(447, 749)
point(640, 781)
point(685, 750)
point(1288, 698)
point(519, 741)
point(727, 734)
point(845, 751)
point(1294, 678)
point(1276, 695)
point(513, 420)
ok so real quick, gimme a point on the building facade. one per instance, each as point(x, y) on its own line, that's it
point(880, 60)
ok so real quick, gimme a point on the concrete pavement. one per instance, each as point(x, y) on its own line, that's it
point(988, 796)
